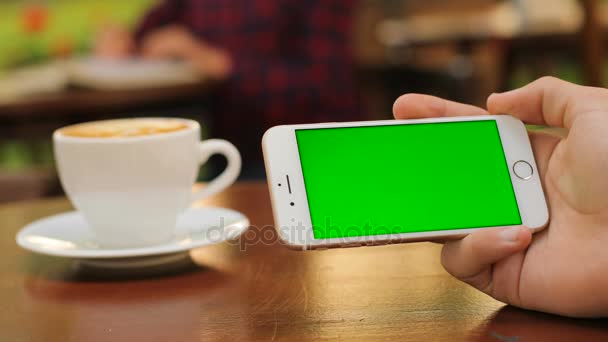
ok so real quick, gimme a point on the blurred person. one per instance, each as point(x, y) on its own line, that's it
point(564, 268)
point(282, 62)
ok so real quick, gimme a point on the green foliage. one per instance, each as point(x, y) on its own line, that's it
point(20, 155)
point(70, 23)
point(564, 68)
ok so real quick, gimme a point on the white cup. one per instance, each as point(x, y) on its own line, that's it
point(132, 189)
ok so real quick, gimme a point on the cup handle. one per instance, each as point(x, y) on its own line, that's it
point(208, 148)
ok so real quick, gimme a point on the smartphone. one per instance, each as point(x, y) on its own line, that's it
point(381, 182)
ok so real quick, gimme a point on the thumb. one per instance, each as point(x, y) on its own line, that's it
point(472, 258)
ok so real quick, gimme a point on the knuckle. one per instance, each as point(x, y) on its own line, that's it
point(481, 281)
point(547, 81)
point(599, 93)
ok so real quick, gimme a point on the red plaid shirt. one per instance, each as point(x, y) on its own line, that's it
point(292, 59)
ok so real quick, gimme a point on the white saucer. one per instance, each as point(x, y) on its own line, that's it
point(68, 235)
point(169, 261)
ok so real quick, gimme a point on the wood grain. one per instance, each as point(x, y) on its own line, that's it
point(257, 290)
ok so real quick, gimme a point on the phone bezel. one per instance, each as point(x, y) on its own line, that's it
point(293, 222)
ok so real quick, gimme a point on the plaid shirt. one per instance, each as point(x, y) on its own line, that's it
point(292, 59)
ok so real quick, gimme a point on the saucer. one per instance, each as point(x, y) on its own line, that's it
point(68, 235)
point(144, 262)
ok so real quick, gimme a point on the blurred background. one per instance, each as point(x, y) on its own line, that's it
point(52, 76)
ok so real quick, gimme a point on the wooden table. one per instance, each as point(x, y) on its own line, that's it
point(257, 290)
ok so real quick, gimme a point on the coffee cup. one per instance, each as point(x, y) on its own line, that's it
point(132, 178)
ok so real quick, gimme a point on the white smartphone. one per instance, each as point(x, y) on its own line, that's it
point(380, 182)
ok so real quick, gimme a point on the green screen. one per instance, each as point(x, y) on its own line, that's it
point(392, 179)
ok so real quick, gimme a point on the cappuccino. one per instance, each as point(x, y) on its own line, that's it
point(123, 128)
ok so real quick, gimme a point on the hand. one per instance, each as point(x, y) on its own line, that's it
point(564, 268)
point(170, 42)
point(177, 42)
point(114, 43)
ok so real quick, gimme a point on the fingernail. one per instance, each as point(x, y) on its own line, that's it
point(509, 234)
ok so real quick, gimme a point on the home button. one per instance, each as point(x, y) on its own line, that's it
point(523, 170)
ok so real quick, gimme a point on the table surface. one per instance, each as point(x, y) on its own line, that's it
point(256, 289)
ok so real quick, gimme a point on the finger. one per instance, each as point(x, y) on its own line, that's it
point(543, 145)
point(150, 48)
point(549, 101)
point(155, 46)
point(413, 106)
point(155, 51)
point(471, 258)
